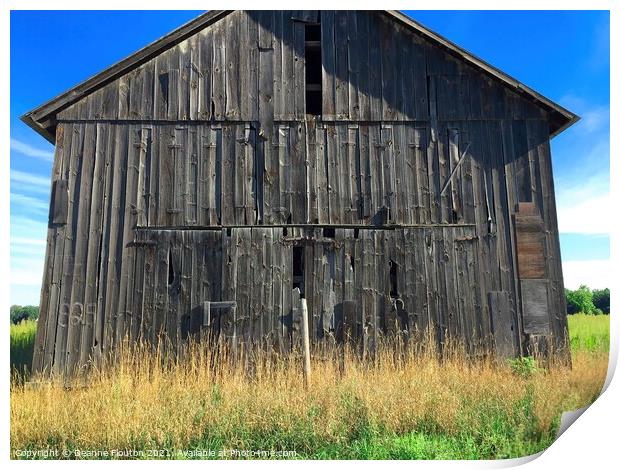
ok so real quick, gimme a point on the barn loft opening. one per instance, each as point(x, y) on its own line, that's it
point(314, 70)
point(329, 232)
point(298, 268)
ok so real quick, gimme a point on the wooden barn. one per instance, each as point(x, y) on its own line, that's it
point(356, 159)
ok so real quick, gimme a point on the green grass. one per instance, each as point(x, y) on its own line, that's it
point(22, 347)
point(589, 332)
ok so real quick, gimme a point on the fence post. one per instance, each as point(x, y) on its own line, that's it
point(305, 340)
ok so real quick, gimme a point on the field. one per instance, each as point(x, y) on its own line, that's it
point(22, 346)
point(413, 409)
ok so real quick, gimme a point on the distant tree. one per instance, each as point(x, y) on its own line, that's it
point(579, 301)
point(600, 298)
point(20, 313)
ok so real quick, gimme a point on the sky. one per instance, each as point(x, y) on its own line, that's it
point(563, 55)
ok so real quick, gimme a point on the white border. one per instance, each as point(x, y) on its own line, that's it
point(590, 443)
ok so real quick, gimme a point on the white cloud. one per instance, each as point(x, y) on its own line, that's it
point(28, 202)
point(595, 274)
point(583, 206)
point(27, 272)
point(27, 241)
point(30, 151)
point(594, 119)
point(589, 216)
point(29, 182)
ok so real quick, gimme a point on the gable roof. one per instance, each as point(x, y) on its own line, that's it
point(42, 118)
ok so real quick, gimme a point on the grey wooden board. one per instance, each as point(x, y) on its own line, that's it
point(59, 203)
point(504, 329)
point(535, 307)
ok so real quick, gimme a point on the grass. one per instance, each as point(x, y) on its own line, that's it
point(22, 347)
point(589, 332)
point(419, 408)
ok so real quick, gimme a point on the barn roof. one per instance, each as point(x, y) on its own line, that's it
point(42, 118)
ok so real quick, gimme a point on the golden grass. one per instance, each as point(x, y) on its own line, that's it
point(141, 404)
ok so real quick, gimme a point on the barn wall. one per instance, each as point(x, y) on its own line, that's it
point(176, 184)
point(97, 277)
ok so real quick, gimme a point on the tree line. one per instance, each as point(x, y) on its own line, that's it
point(588, 301)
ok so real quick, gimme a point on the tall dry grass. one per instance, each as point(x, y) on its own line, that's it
point(206, 400)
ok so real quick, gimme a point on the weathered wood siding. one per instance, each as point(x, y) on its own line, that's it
point(249, 66)
point(198, 178)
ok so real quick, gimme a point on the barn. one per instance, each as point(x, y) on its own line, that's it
point(249, 159)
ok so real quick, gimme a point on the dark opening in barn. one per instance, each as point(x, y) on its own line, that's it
point(298, 269)
point(314, 96)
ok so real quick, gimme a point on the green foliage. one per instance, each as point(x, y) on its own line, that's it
point(588, 332)
point(524, 366)
point(19, 313)
point(579, 301)
point(600, 298)
point(22, 347)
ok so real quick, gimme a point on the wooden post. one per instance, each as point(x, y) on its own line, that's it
point(305, 340)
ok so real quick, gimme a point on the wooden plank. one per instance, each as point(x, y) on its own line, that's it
point(503, 324)
point(114, 317)
point(276, 275)
point(74, 169)
point(454, 143)
point(250, 202)
point(286, 265)
point(361, 58)
point(388, 77)
point(297, 152)
point(60, 202)
point(535, 306)
point(389, 169)
point(244, 279)
point(100, 320)
point(341, 72)
point(219, 78)
point(530, 246)
point(48, 307)
point(278, 104)
point(328, 61)
point(420, 82)
point(228, 179)
point(345, 178)
point(229, 266)
point(234, 50)
point(83, 195)
point(322, 184)
point(438, 170)
point(185, 291)
point(192, 175)
point(299, 69)
point(365, 174)
point(287, 110)
point(205, 73)
point(258, 267)
point(285, 189)
point(267, 304)
point(333, 175)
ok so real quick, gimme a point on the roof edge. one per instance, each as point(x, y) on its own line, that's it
point(35, 117)
point(567, 118)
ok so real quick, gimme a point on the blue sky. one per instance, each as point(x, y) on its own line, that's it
point(563, 55)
